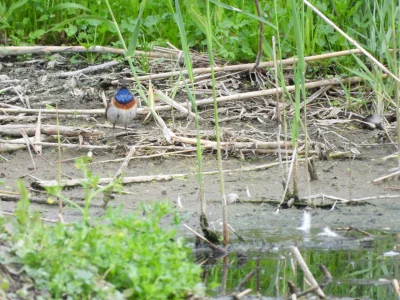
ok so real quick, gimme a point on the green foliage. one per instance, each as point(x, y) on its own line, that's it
point(234, 24)
point(117, 256)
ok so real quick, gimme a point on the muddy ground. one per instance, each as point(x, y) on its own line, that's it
point(343, 177)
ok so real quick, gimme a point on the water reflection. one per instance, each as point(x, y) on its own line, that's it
point(357, 265)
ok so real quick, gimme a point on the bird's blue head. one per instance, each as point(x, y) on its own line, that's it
point(124, 96)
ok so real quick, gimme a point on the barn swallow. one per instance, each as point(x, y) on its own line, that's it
point(122, 108)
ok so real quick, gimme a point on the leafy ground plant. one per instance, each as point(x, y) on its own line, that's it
point(116, 257)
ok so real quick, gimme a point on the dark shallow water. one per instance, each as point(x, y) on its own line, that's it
point(357, 263)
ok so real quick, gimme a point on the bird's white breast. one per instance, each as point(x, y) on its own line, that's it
point(121, 116)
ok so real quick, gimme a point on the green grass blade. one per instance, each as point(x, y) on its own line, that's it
point(226, 6)
point(134, 37)
point(189, 67)
point(14, 6)
point(217, 130)
point(69, 6)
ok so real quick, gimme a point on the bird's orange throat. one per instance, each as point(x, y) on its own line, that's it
point(124, 106)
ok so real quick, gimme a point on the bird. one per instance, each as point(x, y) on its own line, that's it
point(122, 108)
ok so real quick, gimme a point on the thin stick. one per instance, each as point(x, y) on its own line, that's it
point(89, 69)
point(247, 278)
point(389, 176)
point(325, 196)
point(310, 290)
point(71, 146)
point(288, 177)
point(324, 270)
point(173, 103)
point(396, 287)
point(242, 294)
point(357, 229)
point(59, 172)
point(27, 141)
point(38, 137)
point(234, 145)
point(357, 45)
point(212, 246)
point(307, 273)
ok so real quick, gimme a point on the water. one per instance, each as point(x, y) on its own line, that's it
point(357, 263)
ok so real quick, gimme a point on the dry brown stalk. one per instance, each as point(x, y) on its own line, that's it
point(215, 247)
point(26, 138)
point(312, 97)
point(136, 179)
point(325, 271)
point(30, 129)
point(9, 146)
point(234, 145)
point(244, 67)
point(269, 92)
point(242, 294)
point(307, 273)
point(310, 290)
point(246, 279)
point(38, 136)
point(17, 144)
point(386, 177)
point(351, 228)
point(396, 287)
point(173, 103)
point(18, 50)
point(326, 197)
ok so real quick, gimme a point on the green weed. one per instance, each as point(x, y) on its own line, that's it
point(117, 256)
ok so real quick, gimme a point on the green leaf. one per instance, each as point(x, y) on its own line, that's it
point(82, 17)
point(22, 209)
point(68, 6)
point(71, 30)
point(243, 12)
point(135, 33)
point(14, 6)
point(36, 34)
